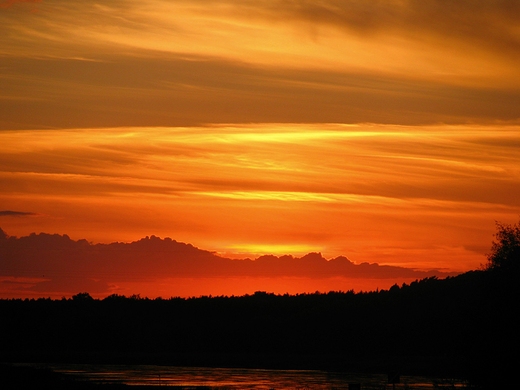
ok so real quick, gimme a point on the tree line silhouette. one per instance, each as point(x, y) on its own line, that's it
point(464, 326)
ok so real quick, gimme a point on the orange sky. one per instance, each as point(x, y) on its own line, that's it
point(387, 132)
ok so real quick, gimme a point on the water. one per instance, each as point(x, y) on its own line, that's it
point(237, 378)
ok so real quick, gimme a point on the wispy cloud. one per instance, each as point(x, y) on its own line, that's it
point(155, 62)
point(355, 190)
point(11, 213)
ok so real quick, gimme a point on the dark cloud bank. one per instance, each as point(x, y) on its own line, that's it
point(11, 213)
point(53, 262)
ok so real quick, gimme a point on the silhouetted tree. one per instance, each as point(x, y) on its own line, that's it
point(82, 297)
point(505, 251)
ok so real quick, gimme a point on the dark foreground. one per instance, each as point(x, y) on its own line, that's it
point(465, 327)
point(29, 378)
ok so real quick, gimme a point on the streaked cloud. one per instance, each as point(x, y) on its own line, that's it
point(162, 63)
point(12, 213)
point(256, 31)
point(355, 190)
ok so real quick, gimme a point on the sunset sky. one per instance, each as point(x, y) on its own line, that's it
point(384, 131)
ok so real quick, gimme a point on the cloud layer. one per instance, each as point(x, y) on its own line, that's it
point(158, 63)
point(397, 195)
point(55, 264)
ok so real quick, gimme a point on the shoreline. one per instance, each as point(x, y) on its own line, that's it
point(113, 377)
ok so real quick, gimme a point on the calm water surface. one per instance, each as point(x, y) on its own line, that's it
point(236, 378)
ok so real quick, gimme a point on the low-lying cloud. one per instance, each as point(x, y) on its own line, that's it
point(12, 213)
point(55, 264)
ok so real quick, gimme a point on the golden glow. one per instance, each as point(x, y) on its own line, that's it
point(259, 249)
point(391, 194)
point(270, 33)
point(271, 195)
point(157, 62)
